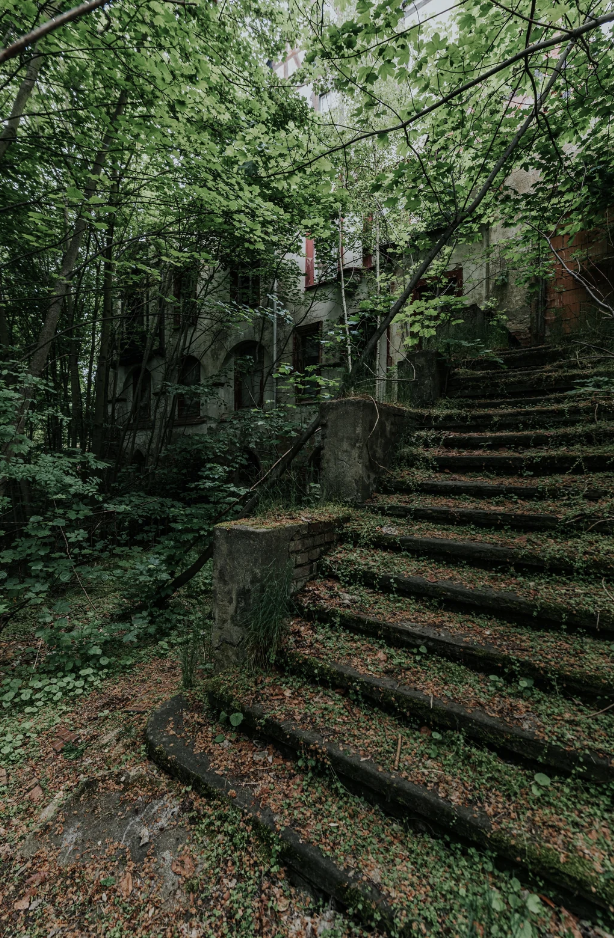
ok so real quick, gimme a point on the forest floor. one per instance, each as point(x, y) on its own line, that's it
point(95, 840)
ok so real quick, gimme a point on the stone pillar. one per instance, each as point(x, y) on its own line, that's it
point(359, 437)
point(422, 378)
point(244, 556)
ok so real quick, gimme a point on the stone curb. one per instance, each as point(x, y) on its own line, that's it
point(484, 729)
point(171, 753)
point(398, 796)
point(448, 645)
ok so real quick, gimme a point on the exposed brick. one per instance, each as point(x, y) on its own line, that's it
point(302, 558)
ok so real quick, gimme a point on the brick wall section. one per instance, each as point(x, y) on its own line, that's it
point(307, 546)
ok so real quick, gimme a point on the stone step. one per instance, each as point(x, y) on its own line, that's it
point(533, 604)
point(552, 557)
point(595, 435)
point(522, 384)
point(538, 463)
point(358, 756)
point(568, 512)
point(524, 403)
point(517, 358)
point(486, 518)
point(512, 487)
point(396, 877)
point(480, 421)
point(552, 663)
point(449, 696)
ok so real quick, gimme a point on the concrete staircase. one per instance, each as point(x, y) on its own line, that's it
point(451, 668)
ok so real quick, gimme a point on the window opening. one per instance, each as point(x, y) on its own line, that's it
point(248, 375)
point(141, 394)
point(185, 312)
point(188, 404)
point(307, 360)
point(245, 288)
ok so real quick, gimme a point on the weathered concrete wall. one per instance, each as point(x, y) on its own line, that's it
point(422, 377)
point(358, 439)
point(244, 555)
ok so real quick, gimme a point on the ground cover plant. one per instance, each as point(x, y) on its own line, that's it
point(154, 167)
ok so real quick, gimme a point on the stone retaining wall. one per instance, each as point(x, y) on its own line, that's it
point(359, 436)
point(244, 556)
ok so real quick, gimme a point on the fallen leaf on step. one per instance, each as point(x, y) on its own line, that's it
point(22, 904)
point(143, 837)
point(125, 884)
point(183, 866)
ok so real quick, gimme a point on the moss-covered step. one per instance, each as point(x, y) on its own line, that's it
point(480, 553)
point(565, 550)
point(171, 746)
point(474, 420)
point(597, 434)
point(550, 661)
point(474, 486)
point(522, 401)
point(521, 720)
point(401, 881)
point(548, 826)
point(521, 383)
point(480, 517)
point(539, 462)
point(569, 517)
point(544, 602)
point(506, 359)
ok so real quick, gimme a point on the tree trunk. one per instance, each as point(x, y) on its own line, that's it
point(25, 90)
point(101, 381)
point(76, 403)
point(47, 333)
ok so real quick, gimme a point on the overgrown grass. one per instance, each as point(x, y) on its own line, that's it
point(269, 616)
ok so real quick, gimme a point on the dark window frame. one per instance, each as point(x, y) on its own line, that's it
point(183, 290)
point(302, 335)
point(188, 408)
point(255, 351)
point(246, 288)
point(142, 411)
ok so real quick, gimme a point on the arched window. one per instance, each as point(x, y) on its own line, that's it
point(248, 364)
point(188, 404)
point(141, 394)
